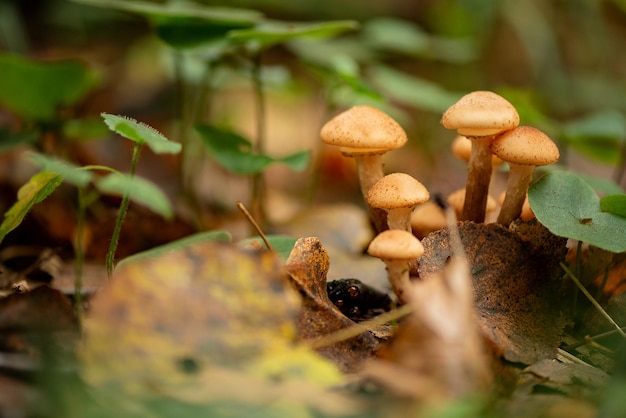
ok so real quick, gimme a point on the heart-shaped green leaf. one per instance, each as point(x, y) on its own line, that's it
point(234, 152)
point(598, 135)
point(141, 133)
point(40, 186)
point(570, 208)
point(35, 89)
point(140, 190)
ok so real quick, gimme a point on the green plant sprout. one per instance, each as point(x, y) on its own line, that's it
point(140, 134)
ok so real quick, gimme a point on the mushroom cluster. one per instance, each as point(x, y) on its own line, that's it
point(488, 136)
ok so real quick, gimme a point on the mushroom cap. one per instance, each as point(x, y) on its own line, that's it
point(480, 113)
point(397, 190)
point(462, 148)
point(525, 145)
point(363, 129)
point(456, 199)
point(427, 218)
point(396, 244)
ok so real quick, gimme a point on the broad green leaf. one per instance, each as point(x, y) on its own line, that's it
point(597, 135)
point(601, 185)
point(568, 206)
point(234, 152)
point(281, 244)
point(397, 35)
point(141, 133)
point(35, 90)
point(40, 186)
point(615, 203)
point(418, 92)
point(271, 32)
point(71, 173)
point(84, 129)
point(140, 190)
point(200, 237)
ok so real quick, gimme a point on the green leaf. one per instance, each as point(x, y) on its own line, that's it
point(615, 203)
point(601, 185)
point(597, 135)
point(71, 173)
point(568, 206)
point(141, 133)
point(396, 35)
point(35, 90)
point(40, 186)
point(234, 152)
point(199, 238)
point(281, 244)
point(272, 32)
point(140, 190)
point(418, 92)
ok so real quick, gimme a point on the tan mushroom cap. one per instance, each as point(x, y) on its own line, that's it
point(396, 244)
point(480, 113)
point(363, 129)
point(525, 145)
point(397, 190)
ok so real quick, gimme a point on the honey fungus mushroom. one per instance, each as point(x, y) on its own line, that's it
point(397, 194)
point(479, 116)
point(396, 247)
point(524, 148)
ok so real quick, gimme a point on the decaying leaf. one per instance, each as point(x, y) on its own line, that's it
point(307, 266)
point(171, 324)
point(437, 352)
point(515, 287)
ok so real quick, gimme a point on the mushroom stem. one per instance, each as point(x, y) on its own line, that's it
point(520, 177)
point(400, 218)
point(478, 178)
point(370, 170)
point(398, 275)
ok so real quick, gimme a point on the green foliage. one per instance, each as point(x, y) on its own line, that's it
point(598, 135)
point(570, 208)
point(234, 152)
point(141, 134)
point(35, 90)
point(40, 186)
point(139, 190)
point(70, 173)
point(615, 203)
point(199, 238)
point(281, 244)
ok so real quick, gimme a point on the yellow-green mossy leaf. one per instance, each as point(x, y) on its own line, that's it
point(164, 322)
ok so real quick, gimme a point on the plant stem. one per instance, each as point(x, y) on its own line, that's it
point(257, 197)
point(592, 300)
point(110, 258)
point(79, 254)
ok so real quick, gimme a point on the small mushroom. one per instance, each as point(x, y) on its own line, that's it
point(396, 247)
point(397, 194)
point(524, 148)
point(527, 213)
point(479, 116)
point(426, 218)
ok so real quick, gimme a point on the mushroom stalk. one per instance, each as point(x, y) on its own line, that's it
point(398, 275)
point(520, 177)
point(478, 179)
point(370, 168)
point(400, 218)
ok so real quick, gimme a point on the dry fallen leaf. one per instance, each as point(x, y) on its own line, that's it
point(516, 291)
point(165, 325)
point(307, 266)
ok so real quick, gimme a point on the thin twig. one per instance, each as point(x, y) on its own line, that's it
point(592, 300)
point(361, 327)
point(256, 226)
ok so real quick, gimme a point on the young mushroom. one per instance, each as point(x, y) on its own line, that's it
point(524, 148)
point(397, 194)
point(479, 116)
point(456, 199)
point(365, 133)
point(396, 247)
